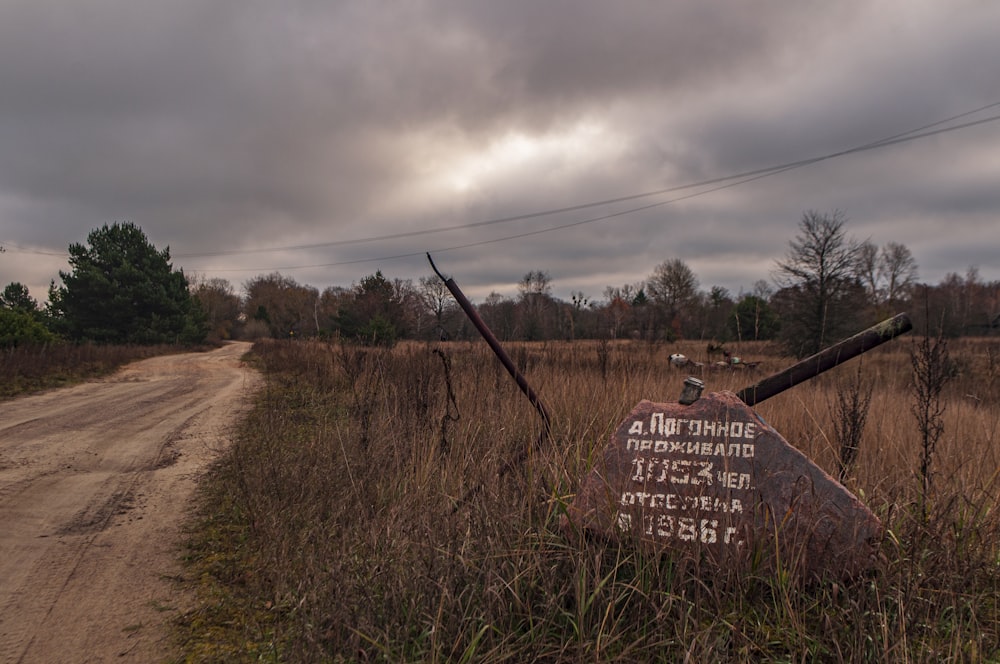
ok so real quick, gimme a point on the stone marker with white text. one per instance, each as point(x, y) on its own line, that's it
point(715, 480)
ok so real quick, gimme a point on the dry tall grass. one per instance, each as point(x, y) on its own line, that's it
point(336, 530)
point(26, 369)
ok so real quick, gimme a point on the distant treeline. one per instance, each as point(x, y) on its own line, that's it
point(121, 289)
point(828, 287)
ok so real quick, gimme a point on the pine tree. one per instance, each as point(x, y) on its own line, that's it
point(121, 289)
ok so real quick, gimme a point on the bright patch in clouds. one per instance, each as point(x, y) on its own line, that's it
point(516, 152)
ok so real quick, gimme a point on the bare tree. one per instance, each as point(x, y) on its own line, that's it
point(438, 302)
point(887, 274)
point(221, 305)
point(286, 307)
point(868, 268)
point(673, 287)
point(535, 305)
point(410, 321)
point(762, 289)
point(898, 271)
point(499, 313)
point(579, 304)
point(534, 282)
point(618, 308)
point(819, 287)
point(716, 307)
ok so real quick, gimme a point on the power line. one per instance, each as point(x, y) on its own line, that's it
point(722, 183)
point(505, 238)
point(37, 252)
point(903, 137)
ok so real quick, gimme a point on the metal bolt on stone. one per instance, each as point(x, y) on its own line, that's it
point(691, 392)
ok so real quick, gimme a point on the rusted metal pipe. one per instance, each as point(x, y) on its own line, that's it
point(826, 359)
point(494, 344)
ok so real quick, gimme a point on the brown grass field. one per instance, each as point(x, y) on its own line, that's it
point(335, 530)
point(32, 368)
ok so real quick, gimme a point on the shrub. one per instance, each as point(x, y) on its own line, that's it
point(19, 328)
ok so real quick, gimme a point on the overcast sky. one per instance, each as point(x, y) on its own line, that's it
point(253, 136)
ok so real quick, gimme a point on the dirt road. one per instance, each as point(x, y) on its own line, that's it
point(95, 481)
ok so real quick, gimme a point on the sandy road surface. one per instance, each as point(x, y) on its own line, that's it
point(94, 485)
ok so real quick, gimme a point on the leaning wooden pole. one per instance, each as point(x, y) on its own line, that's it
point(826, 359)
point(494, 344)
point(518, 377)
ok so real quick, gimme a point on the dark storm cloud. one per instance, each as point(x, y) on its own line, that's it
point(233, 125)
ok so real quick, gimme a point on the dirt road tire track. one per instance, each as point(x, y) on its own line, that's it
point(95, 482)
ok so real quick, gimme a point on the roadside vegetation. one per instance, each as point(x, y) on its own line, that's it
point(385, 500)
point(120, 301)
point(369, 511)
point(31, 368)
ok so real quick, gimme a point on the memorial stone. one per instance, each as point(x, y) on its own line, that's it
point(713, 479)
